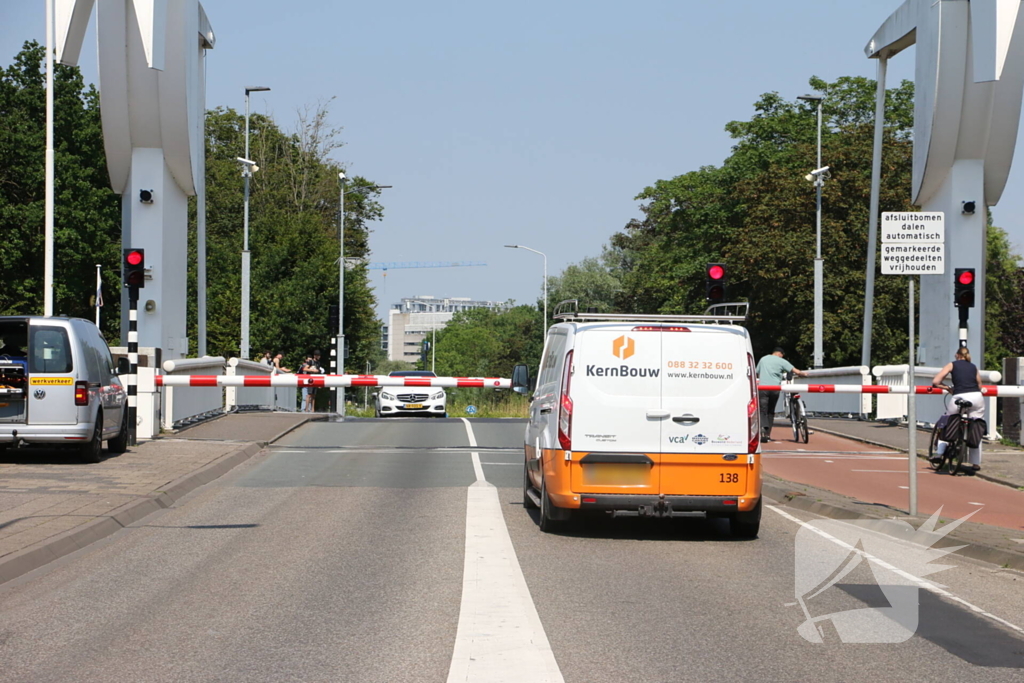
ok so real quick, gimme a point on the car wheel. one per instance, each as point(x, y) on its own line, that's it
point(119, 444)
point(746, 524)
point(93, 450)
point(527, 500)
point(550, 520)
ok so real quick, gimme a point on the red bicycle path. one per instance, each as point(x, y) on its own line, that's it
point(875, 474)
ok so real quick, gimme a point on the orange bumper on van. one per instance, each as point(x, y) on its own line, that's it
point(653, 484)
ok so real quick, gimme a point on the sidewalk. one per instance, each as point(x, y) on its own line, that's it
point(52, 505)
point(999, 463)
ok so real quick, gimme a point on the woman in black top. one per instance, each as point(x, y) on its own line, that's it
point(966, 380)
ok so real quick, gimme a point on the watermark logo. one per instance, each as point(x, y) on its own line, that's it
point(623, 347)
point(827, 551)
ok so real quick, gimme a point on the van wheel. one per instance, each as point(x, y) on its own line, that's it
point(551, 518)
point(746, 524)
point(527, 501)
point(119, 444)
point(93, 450)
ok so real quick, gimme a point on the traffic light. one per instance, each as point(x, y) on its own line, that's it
point(963, 287)
point(715, 283)
point(332, 318)
point(134, 265)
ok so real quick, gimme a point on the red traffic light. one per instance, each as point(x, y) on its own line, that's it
point(134, 267)
point(966, 276)
point(716, 272)
point(134, 258)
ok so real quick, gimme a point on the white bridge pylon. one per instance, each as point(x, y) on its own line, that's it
point(290, 380)
point(986, 390)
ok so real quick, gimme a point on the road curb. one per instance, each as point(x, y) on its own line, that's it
point(786, 494)
point(901, 449)
point(44, 552)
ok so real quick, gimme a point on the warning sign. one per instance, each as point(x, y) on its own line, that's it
point(913, 243)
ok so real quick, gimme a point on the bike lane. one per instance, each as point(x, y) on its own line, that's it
point(878, 475)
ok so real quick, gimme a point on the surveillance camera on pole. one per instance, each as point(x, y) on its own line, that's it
point(249, 164)
point(818, 174)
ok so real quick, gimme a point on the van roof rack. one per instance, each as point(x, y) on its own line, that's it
point(719, 314)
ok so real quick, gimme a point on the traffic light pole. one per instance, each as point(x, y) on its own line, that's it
point(912, 412)
point(133, 362)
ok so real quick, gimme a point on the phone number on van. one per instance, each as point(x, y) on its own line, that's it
point(698, 365)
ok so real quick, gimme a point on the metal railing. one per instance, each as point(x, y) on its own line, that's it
point(257, 398)
point(186, 405)
point(858, 405)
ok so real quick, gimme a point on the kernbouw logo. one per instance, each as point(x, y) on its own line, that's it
point(877, 560)
point(623, 347)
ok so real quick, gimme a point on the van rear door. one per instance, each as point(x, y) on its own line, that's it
point(616, 396)
point(51, 382)
point(707, 395)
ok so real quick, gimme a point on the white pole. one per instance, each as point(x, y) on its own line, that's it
point(543, 328)
point(876, 180)
point(819, 264)
point(99, 294)
point(340, 400)
point(245, 245)
point(433, 343)
point(201, 245)
point(48, 211)
point(912, 411)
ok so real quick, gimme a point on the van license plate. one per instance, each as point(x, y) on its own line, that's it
point(413, 406)
point(614, 474)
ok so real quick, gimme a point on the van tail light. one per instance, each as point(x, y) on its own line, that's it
point(565, 408)
point(753, 416)
point(81, 393)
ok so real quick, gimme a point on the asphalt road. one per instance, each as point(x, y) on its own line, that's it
point(376, 550)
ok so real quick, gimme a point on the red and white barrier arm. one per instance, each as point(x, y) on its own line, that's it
point(328, 381)
point(988, 390)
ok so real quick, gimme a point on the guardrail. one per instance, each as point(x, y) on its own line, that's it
point(328, 381)
point(257, 397)
point(182, 404)
point(840, 404)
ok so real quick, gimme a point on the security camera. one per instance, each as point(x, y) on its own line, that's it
point(818, 173)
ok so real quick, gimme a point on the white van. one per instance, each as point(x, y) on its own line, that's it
point(58, 386)
point(649, 415)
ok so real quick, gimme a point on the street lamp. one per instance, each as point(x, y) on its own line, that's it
point(248, 168)
point(818, 176)
point(340, 342)
point(543, 329)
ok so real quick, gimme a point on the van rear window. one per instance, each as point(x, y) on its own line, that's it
point(50, 350)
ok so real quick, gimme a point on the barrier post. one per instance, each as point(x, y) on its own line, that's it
point(912, 412)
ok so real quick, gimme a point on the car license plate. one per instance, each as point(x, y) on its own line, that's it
point(614, 474)
point(413, 406)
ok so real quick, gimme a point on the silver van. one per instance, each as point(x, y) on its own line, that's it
point(59, 386)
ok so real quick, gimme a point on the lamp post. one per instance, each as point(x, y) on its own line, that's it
point(340, 340)
point(248, 168)
point(543, 327)
point(818, 177)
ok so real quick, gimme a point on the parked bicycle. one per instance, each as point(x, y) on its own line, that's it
point(953, 429)
point(796, 411)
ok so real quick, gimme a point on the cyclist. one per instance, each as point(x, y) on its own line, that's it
point(770, 370)
point(966, 385)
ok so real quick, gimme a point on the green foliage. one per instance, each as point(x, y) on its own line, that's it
point(485, 343)
point(594, 282)
point(87, 215)
point(294, 205)
point(756, 212)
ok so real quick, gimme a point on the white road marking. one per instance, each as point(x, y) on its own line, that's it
point(978, 504)
point(832, 461)
point(904, 487)
point(918, 581)
point(500, 635)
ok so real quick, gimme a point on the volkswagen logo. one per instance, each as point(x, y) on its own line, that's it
point(39, 393)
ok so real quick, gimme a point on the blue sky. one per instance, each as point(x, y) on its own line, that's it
point(533, 123)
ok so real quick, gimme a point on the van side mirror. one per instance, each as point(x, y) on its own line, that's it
point(520, 379)
point(123, 366)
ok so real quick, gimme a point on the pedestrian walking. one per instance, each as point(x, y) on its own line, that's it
point(771, 370)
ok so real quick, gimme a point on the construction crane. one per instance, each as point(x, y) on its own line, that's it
point(385, 266)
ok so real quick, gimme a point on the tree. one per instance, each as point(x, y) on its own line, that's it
point(592, 281)
point(87, 214)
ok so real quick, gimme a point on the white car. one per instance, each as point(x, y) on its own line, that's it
point(421, 401)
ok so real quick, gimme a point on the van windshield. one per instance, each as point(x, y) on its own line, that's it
point(50, 350)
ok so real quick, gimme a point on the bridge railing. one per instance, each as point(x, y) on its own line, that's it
point(838, 404)
point(929, 407)
point(182, 405)
point(257, 398)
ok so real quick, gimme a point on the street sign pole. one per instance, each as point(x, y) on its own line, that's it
point(913, 243)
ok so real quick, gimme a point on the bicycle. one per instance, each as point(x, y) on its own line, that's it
point(796, 411)
point(956, 449)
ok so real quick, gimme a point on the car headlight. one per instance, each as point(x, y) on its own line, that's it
point(386, 396)
point(438, 395)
